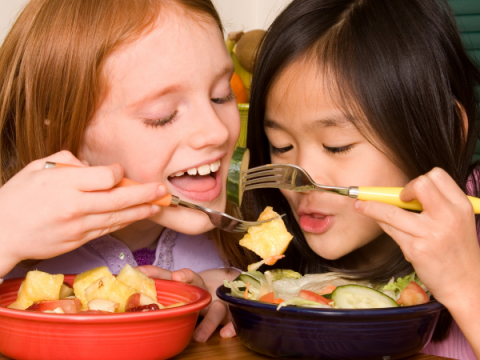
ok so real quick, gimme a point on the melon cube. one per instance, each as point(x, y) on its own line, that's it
point(85, 279)
point(109, 288)
point(139, 281)
point(37, 286)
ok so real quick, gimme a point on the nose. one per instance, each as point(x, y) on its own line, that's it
point(317, 167)
point(207, 128)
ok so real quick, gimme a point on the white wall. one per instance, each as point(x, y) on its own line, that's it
point(236, 14)
point(9, 9)
point(249, 14)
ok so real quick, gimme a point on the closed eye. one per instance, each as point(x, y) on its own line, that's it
point(160, 122)
point(223, 100)
point(339, 149)
point(276, 151)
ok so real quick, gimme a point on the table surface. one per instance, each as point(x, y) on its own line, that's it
point(231, 349)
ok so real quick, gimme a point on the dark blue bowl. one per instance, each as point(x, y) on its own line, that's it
point(390, 333)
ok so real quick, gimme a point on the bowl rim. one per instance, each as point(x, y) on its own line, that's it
point(414, 310)
point(203, 300)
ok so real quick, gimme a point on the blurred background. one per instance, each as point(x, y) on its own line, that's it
point(236, 14)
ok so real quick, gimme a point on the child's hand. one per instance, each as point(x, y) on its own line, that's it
point(217, 312)
point(441, 242)
point(48, 212)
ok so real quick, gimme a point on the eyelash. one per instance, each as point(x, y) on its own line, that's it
point(160, 122)
point(338, 150)
point(169, 119)
point(278, 151)
point(331, 150)
point(228, 98)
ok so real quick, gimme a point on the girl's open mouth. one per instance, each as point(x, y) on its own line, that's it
point(315, 223)
point(202, 183)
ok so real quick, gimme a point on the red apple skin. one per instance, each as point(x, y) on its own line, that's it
point(133, 301)
point(150, 307)
point(69, 306)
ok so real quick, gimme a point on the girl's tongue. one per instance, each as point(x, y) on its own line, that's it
point(200, 183)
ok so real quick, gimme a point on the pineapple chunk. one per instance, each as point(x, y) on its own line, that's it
point(37, 286)
point(85, 279)
point(109, 288)
point(269, 239)
point(139, 281)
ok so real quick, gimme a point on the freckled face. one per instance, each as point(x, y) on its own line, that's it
point(169, 116)
point(306, 128)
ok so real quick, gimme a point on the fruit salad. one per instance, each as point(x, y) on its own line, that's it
point(95, 291)
point(328, 290)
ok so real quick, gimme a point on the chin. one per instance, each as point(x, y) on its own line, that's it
point(326, 250)
point(183, 220)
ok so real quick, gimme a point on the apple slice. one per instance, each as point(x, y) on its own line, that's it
point(103, 305)
point(69, 306)
point(65, 291)
point(142, 301)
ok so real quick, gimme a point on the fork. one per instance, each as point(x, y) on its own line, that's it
point(221, 220)
point(294, 178)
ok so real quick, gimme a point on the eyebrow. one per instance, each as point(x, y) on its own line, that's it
point(332, 121)
point(175, 88)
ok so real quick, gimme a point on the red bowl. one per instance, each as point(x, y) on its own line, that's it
point(152, 335)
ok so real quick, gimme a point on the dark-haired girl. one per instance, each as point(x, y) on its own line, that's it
point(376, 93)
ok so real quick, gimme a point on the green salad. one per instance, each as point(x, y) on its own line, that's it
point(328, 290)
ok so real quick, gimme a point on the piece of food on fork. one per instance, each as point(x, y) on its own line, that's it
point(268, 240)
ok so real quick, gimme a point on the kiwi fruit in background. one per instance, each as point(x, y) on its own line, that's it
point(247, 47)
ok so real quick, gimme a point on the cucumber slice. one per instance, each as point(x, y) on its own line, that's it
point(255, 278)
point(238, 164)
point(360, 297)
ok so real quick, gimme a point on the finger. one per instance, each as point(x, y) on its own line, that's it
point(121, 198)
point(64, 157)
point(188, 276)
point(155, 272)
point(447, 186)
point(393, 219)
point(106, 222)
point(228, 331)
point(216, 312)
point(434, 190)
point(92, 178)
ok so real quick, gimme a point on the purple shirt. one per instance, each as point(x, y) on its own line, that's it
point(174, 251)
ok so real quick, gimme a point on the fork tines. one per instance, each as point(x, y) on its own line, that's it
point(268, 176)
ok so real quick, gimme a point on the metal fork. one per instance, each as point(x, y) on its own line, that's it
point(294, 178)
point(221, 220)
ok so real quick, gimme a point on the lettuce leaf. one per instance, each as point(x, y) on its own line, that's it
point(394, 288)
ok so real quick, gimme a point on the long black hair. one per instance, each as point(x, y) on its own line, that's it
point(402, 66)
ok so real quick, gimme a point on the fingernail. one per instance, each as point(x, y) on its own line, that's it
point(357, 204)
point(155, 209)
point(161, 191)
point(227, 334)
point(200, 336)
point(181, 276)
point(85, 162)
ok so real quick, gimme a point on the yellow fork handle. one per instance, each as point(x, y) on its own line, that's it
point(391, 195)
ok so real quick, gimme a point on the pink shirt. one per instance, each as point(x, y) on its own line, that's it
point(174, 251)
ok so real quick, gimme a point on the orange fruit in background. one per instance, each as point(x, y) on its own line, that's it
point(238, 89)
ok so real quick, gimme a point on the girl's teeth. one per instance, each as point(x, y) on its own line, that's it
point(204, 170)
point(215, 166)
point(201, 170)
